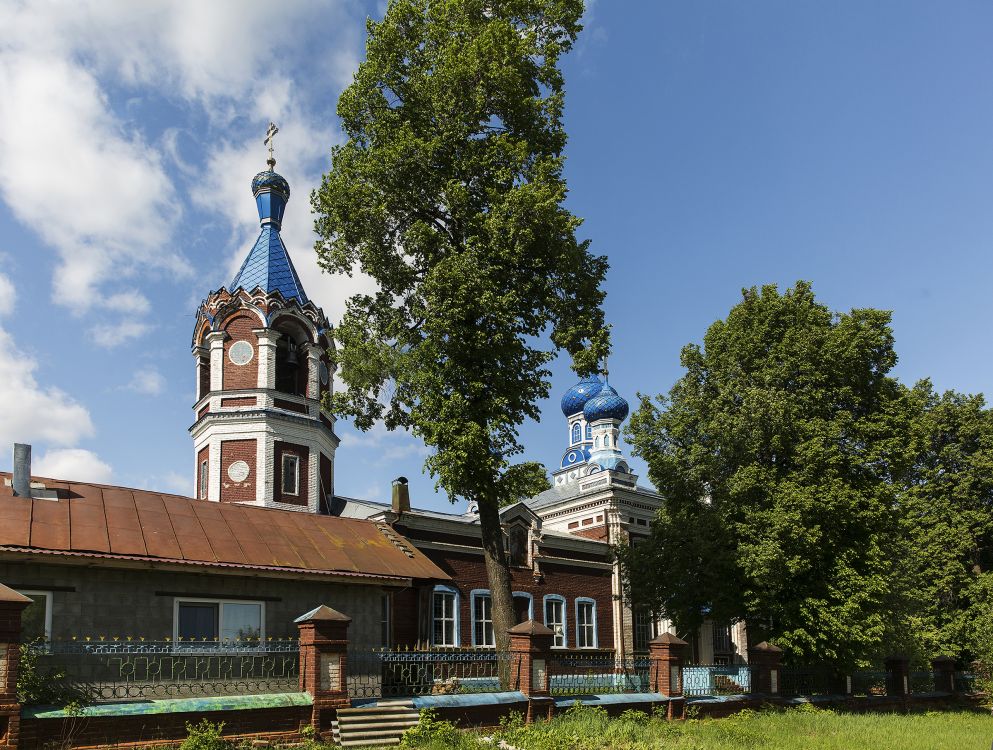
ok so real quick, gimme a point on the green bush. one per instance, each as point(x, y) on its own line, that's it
point(433, 734)
point(205, 736)
point(35, 688)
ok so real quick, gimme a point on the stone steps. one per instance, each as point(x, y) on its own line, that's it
point(382, 724)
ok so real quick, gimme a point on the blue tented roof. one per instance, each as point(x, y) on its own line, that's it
point(268, 265)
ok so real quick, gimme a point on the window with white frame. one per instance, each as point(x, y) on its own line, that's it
point(586, 635)
point(384, 620)
point(577, 433)
point(444, 617)
point(212, 620)
point(291, 474)
point(555, 619)
point(204, 474)
point(36, 619)
point(482, 619)
point(643, 628)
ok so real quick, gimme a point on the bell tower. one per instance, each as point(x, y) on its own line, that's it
point(260, 346)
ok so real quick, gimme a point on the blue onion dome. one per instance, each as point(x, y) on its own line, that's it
point(576, 397)
point(607, 404)
point(271, 180)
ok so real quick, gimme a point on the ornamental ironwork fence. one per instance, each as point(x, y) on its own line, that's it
point(582, 674)
point(717, 679)
point(385, 673)
point(812, 680)
point(117, 671)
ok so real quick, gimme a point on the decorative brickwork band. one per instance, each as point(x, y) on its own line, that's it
point(897, 675)
point(12, 605)
point(764, 660)
point(324, 664)
point(530, 648)
point(944, 674)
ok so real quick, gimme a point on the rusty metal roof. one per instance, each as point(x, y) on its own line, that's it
point(101, 521)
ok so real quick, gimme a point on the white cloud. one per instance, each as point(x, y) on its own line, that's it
point(8, 296)
point(32, 412)
point(75, 464)
point(109, 335)
point(147, 381)
point(176, 483)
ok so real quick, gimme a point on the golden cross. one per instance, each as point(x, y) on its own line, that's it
point(270, 134)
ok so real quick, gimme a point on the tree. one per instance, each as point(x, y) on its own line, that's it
point(781, 454)
point(449, 192)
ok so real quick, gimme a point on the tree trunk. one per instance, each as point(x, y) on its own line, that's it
point(498, 572)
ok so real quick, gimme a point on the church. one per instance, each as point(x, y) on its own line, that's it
point(265, 537)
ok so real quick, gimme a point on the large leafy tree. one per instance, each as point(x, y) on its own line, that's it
point(449, 193)
point(781, 454)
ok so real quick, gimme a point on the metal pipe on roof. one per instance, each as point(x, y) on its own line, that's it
point(21, 481)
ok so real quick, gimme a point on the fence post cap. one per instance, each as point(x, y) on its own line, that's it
point(9, 595)
point(530, 627)
point(323, 613)
point(667, 638)
point(767, 647)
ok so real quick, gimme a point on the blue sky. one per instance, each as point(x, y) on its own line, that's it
point(712, 146)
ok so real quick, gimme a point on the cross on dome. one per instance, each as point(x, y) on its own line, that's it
point(270, 136)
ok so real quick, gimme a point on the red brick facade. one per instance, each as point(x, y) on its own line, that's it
point(303, 453)
point(599, 533)
point(238, 450)
point(239, 328)
point(239, 401)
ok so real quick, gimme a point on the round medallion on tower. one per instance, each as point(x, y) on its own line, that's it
point(576, 397)
point(606, 404)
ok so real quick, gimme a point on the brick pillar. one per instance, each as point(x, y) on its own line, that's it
point(944, 674)
point(530, 649)
point(897, 676)
point(12, 605)
point(764, 660)
point(324, 664)
point(665, 670)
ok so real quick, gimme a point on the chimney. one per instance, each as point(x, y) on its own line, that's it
point(21, 481)
point(401, 496)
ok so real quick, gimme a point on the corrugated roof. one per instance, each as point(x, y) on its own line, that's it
point(268, 265)
point(103, 521)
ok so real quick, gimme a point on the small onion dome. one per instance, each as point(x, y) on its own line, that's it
point(576, 397)
point(272, 181)
point(606, 405)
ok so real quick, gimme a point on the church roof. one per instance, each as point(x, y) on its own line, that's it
point(119, 523)
point(268, 266)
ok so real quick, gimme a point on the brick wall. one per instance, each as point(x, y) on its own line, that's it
point(238, 450)
point(239, 328)
point(468, 572)
point(239, 401)
point(119, 601)
point(599, 533)
point(303, 453)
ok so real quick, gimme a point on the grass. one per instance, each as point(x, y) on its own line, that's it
point(803, 728)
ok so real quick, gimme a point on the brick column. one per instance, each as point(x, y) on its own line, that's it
point(764, 660)
point(665, 670)
point(324, 663)
point(530, 649)
point(12, 605)
point(897, 676)
point(944, 674)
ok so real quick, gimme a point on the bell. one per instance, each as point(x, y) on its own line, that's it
point(292, 358)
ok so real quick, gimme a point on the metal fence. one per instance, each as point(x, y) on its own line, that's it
point(869, 682)
point(797, 680)
point(965, 682)
point(383, 673)
point(921, 682)
point(583, 674)
point(114, 671)
point(717, 679)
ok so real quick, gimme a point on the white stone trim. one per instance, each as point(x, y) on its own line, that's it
point(215, 341)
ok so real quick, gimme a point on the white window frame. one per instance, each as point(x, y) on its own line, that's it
point(560, 600)
point(524, 595)
point(575, 434)
point(204, 483)
point(454, 593)
point(49, 601)
point(296, 474)
point(474, 595)
point(580, 625)
point(220, 614)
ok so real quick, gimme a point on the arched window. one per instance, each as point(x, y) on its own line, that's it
point(596, 442)
point(577, 433)
point(606, 441)
point(589, 432)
